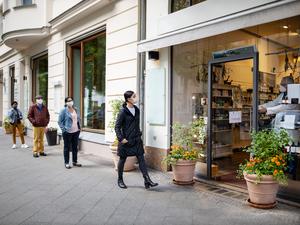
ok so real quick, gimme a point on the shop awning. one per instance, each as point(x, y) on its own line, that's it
point(237, 21)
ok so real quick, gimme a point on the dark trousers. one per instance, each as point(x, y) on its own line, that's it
point(70, 141)
point(142, 165)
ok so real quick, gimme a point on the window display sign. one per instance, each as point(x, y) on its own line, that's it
point(235, 117)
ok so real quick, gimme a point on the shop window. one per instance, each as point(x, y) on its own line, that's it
point(177, 5)
point(87, 74)
point(278, 46)
point(40, 77)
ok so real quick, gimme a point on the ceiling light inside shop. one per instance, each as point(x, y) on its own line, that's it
point(285, 27)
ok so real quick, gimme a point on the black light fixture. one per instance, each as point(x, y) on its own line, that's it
point(153, 55)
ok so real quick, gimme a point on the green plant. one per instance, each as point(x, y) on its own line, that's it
point(6, 123)
point(116, 105)
point(198, 130)
point(268, 155)
point(183, 143)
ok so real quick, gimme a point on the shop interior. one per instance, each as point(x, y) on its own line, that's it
point(278, 45)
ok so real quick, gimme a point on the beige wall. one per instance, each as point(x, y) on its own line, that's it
point(120, 18)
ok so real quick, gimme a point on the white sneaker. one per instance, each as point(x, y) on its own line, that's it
point(24, 146)
point(14, 146)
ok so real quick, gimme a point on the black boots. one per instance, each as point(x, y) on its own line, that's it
point(121, 183)
point(148, 182)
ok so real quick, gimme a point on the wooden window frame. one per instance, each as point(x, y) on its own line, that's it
point(33, 93)
point(80, 44)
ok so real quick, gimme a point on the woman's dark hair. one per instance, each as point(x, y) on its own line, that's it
point(66, 99)
point(127, 95)
point(14, 102)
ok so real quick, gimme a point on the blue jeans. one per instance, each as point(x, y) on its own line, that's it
point(70, 141)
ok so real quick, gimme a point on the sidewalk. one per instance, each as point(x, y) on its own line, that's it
point(40, 191)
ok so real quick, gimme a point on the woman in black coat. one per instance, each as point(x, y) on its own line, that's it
point(129, 136)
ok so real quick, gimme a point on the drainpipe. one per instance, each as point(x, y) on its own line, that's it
point(141, 62)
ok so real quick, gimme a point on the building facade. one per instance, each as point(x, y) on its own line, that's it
point(85, 49)
point(185, 58)
point(219, 61)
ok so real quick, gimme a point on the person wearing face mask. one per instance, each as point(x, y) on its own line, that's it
point(69, 123)
point(39, 117)
point(128, 133)
point(15, 118)
point(276, 105)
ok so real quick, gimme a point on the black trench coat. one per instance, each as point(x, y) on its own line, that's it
point(128, 127)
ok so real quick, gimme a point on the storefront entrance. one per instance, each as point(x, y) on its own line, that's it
point(221, 80)
point(232, 111)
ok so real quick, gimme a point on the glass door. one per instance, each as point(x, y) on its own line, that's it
point(232, 89)
point(233, 80)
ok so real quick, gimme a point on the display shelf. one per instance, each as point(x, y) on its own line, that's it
point(220, 96)
point(220, 131)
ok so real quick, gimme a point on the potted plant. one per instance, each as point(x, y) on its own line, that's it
point(199, 132)
point(183, 154)
point(51, 135)
point(130, 161)
point(7, 126)
point(267, 166)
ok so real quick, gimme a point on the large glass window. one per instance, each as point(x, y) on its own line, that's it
point(88, 76)
point(278, 45)
point(40, 77)
point(13, 88)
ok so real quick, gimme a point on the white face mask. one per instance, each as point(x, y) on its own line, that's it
point(135, 100)
point(39, 101)
point(282, 88)
point(70, 104)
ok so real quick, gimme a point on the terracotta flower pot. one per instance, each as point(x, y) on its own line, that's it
point(8, 130)
point(183, 170)
point(130, 161)
point(261, 192)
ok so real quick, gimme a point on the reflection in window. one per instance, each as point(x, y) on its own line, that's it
point(94, 83)
point(40, 77)
point(181, 4)
point(26, 2)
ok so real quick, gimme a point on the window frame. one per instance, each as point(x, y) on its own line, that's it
point(12, 77)
point(80, 44)
point(33, 78)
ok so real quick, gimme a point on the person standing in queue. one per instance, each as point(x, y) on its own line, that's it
point(128, 133)
point(15, 118)
point(39, 117)
point(69, 123)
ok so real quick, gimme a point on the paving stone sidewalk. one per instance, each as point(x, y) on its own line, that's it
point(40, 191)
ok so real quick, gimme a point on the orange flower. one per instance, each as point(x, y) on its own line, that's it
point(277, 163)
point(275, 172)
point(273, 159)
